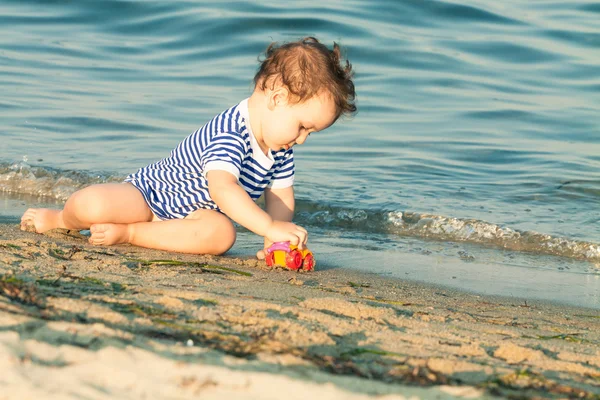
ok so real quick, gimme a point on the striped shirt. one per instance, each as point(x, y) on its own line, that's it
point(176, 186)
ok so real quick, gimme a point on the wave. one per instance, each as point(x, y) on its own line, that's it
point(444, 228)
point(21, 178)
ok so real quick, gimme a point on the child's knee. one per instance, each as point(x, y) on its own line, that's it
point(86, 205)
point(217, 231)
point(224, 237)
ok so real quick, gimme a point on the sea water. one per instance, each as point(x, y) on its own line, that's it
point(474, 160)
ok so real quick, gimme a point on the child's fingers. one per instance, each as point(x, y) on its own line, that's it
point(302, 235)
point(294, 239)
point(305, 239)
point(287, 232)
point(302, 238)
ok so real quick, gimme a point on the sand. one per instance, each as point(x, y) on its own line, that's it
point(78, 321)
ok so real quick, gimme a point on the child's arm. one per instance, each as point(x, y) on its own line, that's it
point(233, 200)
point(279, 204)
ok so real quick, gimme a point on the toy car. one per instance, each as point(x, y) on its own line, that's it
point(286, 255)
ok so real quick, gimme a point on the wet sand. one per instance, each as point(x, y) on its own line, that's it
point(78, 321)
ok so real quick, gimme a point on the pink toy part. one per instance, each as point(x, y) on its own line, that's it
point(285, 246)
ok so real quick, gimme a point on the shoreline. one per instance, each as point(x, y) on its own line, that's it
point(225, 324)
point(455, 266)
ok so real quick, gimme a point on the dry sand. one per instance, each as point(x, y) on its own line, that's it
point(78, 321)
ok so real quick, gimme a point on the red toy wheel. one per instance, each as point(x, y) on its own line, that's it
point(293, 260)
point(309, 262)
point(270, 259)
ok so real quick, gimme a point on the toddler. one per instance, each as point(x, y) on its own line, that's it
point(186, 201)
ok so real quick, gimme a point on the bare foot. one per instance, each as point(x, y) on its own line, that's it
point(107, 234)
point(261, 254)
point(40, 220)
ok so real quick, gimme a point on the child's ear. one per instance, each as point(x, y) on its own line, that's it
point(278, 97)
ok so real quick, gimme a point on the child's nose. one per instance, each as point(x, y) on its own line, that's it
point(302, 138)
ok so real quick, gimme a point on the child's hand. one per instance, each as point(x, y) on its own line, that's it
point(280, 231)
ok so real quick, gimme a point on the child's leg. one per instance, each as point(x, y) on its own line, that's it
point(110, 202)
point(202, 232)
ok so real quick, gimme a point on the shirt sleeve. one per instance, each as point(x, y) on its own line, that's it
point(284, 171)
point(224, 152)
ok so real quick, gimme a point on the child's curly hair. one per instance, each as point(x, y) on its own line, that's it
point(307, 68)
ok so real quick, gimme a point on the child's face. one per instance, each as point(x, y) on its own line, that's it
point(290, 124)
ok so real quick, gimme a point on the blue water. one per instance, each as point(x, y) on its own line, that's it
point(476, 147)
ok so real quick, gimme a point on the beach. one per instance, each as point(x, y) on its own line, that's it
point(472, 161)
point(78, 321)
point(455, 218)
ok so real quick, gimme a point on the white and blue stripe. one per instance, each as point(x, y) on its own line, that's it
point(176, 186)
